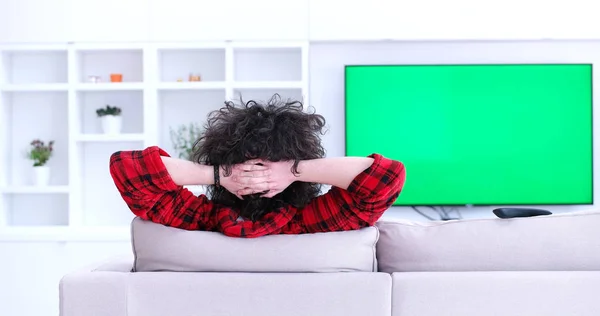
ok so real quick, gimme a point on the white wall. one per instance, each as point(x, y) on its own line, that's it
point(189, 20)
point(327, 62)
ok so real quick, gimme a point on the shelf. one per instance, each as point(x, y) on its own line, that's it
point(110, 138)
point(32, 66)
point(206, 85)
point(208, 63)
point(130, 102)
point(265, 94)
point(42, 87)
point(33, 207)
point(45, 92)
point(184, 107)
point(269, 85)
point(267, 64)
point(65, 233)
point(110, 86)
point(92, 61)
point(40, 115)
point(35, 189)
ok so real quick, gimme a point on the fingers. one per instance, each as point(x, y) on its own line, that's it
point(262, 187)
point(248, 191)
point(250, 167)
point(250, 180)
point(268, 190)
point(255, 174)
point(259, 187)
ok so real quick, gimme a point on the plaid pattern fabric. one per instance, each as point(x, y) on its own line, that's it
point(151, 194)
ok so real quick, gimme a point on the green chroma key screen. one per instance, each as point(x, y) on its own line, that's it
point(477, 134)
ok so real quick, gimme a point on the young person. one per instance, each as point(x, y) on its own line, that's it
point(264, 166)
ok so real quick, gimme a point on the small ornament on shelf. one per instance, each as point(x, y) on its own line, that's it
point(116, 77)
point(194, 78)
point(179, 80)
point(111, 120)
point(184, 138)
point(94, 79)
point(40, 153)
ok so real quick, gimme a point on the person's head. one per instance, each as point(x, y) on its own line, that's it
point(275, 130)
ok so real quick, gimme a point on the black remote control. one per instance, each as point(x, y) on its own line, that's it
point(512, 212)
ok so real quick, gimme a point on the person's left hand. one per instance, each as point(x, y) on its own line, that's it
point(279, 177)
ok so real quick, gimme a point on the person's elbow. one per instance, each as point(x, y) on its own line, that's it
point(391, 184)
point(372, 207)
point(398, 180)
point(115, 166)
point(121, 169)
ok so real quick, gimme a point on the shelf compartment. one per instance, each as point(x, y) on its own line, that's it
point(178, 108)
point(178, 64)
point(268, 64)
point(264, 95)
point(103, 63)
point(44, 209)
point(30, 67)
point(35, 189)
point(102, 204)
point(132, 115)
point(47, 112)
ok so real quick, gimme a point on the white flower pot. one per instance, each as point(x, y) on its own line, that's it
point(111, 124)
point(41, 176)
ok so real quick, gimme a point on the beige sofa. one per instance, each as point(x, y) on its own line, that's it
point(540, 266)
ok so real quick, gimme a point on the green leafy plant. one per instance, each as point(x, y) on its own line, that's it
point(39, 152)
point(184, 137)
point(108, 110)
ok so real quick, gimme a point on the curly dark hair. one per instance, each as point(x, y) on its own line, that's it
point(274, 130)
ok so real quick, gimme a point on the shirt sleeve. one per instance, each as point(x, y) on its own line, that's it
point(150, 193)
point(369, 195)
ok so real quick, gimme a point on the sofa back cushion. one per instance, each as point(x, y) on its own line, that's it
point(568, 241)
point(161, 248)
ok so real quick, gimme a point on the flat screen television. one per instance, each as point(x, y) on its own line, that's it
point(508, 134)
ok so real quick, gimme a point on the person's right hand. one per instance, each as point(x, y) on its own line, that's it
point(244, 176)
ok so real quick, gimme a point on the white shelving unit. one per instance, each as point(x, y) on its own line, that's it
point(45, 93)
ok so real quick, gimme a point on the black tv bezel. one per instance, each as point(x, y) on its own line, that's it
point(591, 65)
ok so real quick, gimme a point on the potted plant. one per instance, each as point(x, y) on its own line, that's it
point(40, 153)
point(184, 137)
point(110, 118)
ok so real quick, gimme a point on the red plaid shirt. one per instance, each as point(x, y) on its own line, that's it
point(151, 194)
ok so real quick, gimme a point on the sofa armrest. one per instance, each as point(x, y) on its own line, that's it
point(96, 290)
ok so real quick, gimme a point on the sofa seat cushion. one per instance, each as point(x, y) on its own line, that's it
point(567, 242)
point(161, 248)
point(497, 293)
